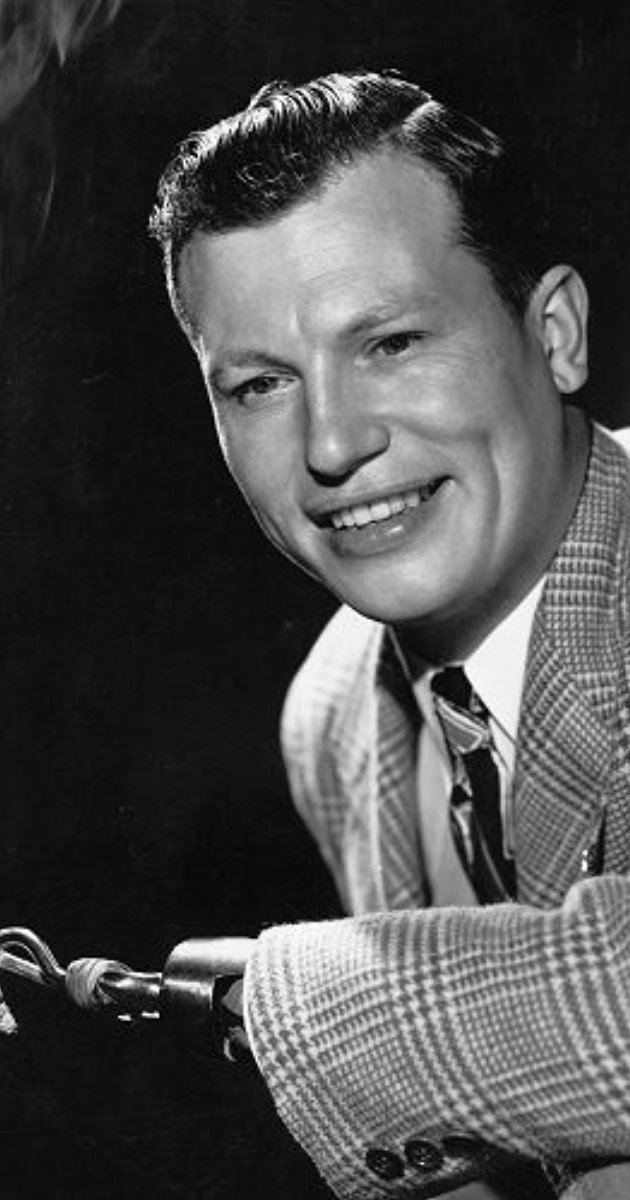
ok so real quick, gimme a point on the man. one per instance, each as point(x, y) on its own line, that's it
point(393, 357)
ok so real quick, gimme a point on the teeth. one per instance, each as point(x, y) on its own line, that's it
point(361, 514)
point(382, 510)
point(357, 515)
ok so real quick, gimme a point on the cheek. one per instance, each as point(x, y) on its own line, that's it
point(259, 448)
point(455, 398)
point(261, 470)
point(242, 453)
point(257, 485)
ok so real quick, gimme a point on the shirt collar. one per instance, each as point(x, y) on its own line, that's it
point(496, 669)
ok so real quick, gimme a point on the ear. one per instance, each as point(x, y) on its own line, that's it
point(559, 310)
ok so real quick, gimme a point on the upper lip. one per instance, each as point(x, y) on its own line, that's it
point(322, 514)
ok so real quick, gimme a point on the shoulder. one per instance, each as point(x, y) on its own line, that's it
point(608, 575)
point(338, 670)
point(326, 729)
point(611, 450)
point(621, 437)
point(613, 445)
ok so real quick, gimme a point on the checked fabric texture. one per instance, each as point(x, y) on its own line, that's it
point(475, 801)
point(509, 1023)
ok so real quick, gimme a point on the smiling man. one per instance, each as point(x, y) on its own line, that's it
point(392, 355)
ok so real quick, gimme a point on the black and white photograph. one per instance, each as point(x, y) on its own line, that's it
point(315, 608)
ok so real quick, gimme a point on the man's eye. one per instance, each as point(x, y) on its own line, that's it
point(397, 343)
point(260, 386)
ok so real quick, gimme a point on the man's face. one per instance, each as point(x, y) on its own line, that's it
point(395, 429)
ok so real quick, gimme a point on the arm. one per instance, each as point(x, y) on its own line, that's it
point(507, 1025)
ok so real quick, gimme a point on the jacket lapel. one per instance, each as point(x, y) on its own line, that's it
point(561, 773)
point(396, 747)
point(380, 851)
point(570, 700)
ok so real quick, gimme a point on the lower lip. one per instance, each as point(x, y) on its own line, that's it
point(381, 537)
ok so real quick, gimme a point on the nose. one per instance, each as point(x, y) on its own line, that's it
point(343, 432)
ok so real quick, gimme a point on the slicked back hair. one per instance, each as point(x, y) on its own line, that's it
point(292, 141)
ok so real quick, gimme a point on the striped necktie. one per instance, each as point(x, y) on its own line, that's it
point(475, 802)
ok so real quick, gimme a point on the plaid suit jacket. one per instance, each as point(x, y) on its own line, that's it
point(509, 1025)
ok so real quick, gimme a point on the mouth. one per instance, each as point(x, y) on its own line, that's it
point(377, 512)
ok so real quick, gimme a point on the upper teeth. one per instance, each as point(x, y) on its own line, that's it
point(380, 510)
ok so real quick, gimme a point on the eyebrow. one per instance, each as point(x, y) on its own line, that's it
point(370, 318)
point(394, 310)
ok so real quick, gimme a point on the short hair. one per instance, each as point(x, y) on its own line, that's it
point(291, 141)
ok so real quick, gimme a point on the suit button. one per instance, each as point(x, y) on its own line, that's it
point(384, 1163)
point(422, 1155)
point(461, 1146)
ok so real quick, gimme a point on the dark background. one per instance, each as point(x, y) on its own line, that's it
point(148, 632)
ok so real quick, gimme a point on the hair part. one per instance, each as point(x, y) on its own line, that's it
point(292, 141)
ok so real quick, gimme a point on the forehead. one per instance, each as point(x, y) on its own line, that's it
point(386, 227)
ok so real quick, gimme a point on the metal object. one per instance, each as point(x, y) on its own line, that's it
point(34, 960)
point(184, 990)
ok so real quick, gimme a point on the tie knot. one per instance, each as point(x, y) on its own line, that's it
point(463, 715)
point(452, 684)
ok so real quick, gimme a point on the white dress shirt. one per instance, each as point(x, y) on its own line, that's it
point(496, 671)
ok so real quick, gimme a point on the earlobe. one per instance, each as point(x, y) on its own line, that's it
point(560, 309)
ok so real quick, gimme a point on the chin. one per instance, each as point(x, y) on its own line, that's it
point(386, 609)
point(405, 602)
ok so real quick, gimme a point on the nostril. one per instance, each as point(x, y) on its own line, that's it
point(342, 425)
point(329, 478)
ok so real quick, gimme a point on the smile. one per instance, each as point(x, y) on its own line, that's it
point(355, 516)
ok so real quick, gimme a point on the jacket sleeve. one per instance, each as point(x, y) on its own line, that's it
point(504, 1026)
